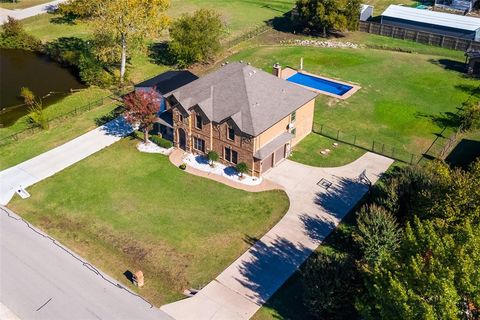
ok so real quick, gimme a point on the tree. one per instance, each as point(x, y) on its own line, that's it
point(435, 275)
point(470, 115)
point(15, 37)
point(121, 26)
point(141, 108)
point(327, 15)
point(377, 233)
point(241, 168)
point(212, 157)
point(36, 114)
point(196, 37)
point(329, 281)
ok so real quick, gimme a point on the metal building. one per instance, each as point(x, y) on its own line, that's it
point(430, 21)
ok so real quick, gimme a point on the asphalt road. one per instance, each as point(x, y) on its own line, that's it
point(42, 280)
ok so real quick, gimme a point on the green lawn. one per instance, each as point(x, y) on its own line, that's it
point(42, 141)
point(22, 4)
point(61, 107)
point(308, 152)
point(126, 210)
point(401, 96)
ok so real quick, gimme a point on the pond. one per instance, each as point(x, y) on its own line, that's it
point(47, 79)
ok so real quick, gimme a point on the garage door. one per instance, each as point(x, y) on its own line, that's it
point(279, 154)
point(267, 163)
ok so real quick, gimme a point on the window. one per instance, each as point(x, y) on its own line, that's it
point(180, 116)
point(294, 131)
point(231, 155)
point(230, 133)
point(199, 144)
point(198, 121)
point(293, 116)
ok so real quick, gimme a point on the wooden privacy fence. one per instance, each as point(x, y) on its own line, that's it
point(433, 39)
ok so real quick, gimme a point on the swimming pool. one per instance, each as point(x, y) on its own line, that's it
point(320, 84)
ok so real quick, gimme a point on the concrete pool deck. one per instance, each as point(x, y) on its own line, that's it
point(289, 72)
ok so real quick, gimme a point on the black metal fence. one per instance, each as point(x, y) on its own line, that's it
point(246, 36)
point(372, 145)
point(57, 119)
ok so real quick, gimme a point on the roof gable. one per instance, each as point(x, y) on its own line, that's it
point(253, 99)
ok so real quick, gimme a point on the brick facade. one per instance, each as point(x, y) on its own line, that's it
point(216, 136)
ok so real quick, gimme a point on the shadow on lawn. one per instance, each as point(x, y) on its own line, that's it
point(444, 119)
point(159, 53)
point(449, 64)
point(117, 127)
point(273, 261)
point(289, 301)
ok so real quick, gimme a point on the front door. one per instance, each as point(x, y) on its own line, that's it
point(182, 139)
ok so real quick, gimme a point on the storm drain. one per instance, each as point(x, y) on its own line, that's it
point(324, 183)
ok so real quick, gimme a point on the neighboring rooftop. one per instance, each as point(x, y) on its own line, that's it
point(168, 81)
point(432, 17)
point(254, 99)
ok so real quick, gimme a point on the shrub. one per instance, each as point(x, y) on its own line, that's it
point(212, 156)
point(161, 142)
point(241, 168)
point(13, 36)
point(92, 72)
point(183, 166)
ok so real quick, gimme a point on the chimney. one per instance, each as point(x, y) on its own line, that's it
point(277, 70)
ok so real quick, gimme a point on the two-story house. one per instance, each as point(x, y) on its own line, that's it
point(242, 113)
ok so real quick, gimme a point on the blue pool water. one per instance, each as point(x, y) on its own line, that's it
point(320, 84)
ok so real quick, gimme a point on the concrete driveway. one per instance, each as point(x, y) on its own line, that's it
point(41, 279)
point(319, 199)
point(55, 160)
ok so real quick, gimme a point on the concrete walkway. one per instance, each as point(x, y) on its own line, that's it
point(319, 199)
point(47, 164)
point(20, 14)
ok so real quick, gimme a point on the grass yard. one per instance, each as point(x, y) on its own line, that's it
point(22, 4)
point(308, 152)
point(404, 96)
point(65, 105)
point(126, 210)
point(42, 141)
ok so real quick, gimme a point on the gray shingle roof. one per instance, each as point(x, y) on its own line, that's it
point(253, 99)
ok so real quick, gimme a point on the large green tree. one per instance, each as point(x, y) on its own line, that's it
point(121, 26)
point(196, 37)
point(377, 233)
point(327, 15)
point(435, 275)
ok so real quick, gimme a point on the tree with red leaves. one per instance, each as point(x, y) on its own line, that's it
point(141, 109)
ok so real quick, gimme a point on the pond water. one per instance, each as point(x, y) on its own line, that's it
point(47, 79)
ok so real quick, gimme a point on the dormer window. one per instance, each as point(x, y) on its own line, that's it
point(230, 133)
point(198, 122)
